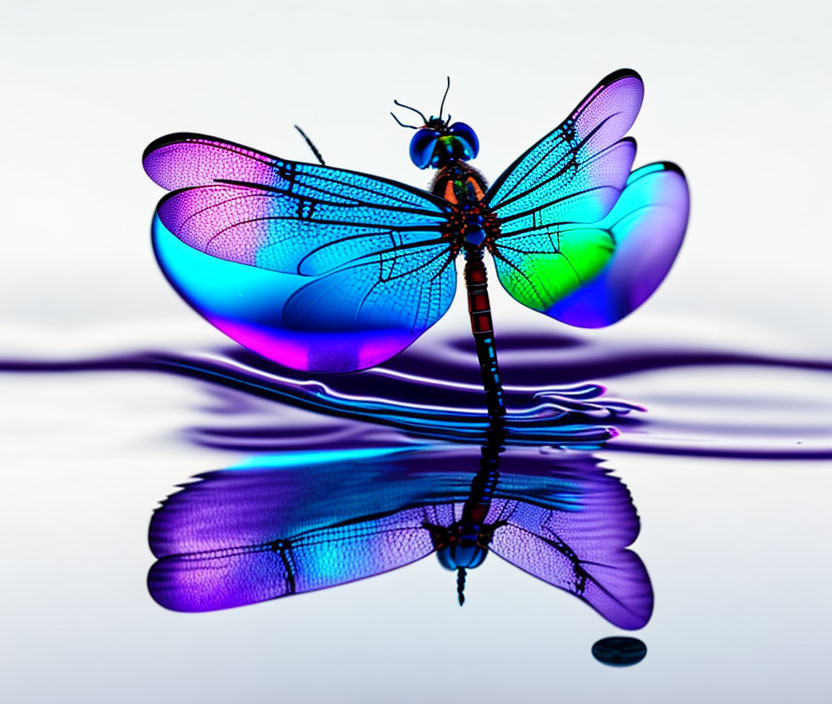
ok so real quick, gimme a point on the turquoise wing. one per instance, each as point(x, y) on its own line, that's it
point(317, 268)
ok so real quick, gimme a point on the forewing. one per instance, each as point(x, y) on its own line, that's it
point(231, 570)
point(582, 552)
point(576, 172)
point(340, 270)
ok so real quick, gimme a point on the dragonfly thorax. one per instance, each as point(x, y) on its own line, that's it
point(472, 224)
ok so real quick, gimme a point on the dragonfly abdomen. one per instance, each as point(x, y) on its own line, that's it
point(479, 308)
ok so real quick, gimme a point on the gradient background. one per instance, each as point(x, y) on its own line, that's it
point(736, 93)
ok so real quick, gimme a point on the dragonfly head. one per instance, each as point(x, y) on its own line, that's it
point(439, 142)
point(462, 544)
point(439, 145)
point(460, 547)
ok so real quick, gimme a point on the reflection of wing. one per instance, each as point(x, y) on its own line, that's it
point(582, 552)
point(574, 175)
point(222, 575)
point(290, 249)
point(323, 518)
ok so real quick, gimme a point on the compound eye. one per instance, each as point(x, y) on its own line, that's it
point(468, 137)
point(422, 145)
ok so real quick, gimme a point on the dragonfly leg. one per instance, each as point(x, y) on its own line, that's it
point(311, 146)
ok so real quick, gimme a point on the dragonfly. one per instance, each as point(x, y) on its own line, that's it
point(326, 518)
point(322, 269)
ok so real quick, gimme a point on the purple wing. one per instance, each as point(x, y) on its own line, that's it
point(316, 268)
point(582, 552)
point(243, 562)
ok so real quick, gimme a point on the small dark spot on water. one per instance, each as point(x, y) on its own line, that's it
point(619, 651)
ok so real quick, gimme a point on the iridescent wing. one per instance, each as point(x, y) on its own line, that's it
point(647, 226)
point(553, 208)
point(326, 518)
point(582, 552)
point(319, 519)
point(319, 269)
point(212, 577)
point(226, 550)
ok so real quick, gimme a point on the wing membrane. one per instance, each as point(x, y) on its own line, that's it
point(317, 268)
point(647, 226)
point(275, 230)
point(185, 160)
point(563, 167)
point(592, 276)
point(406, 289)
point(582, 552)
point(246, 574)
point(242, 536)
point(544, 265)
point(574, 175)
point(579, 191)
point(580, 238)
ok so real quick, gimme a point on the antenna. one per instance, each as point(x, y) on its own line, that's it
point(442, 106)
point(407, 107)
point(401, 124)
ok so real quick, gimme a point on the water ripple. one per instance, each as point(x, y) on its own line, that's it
point(564, 392)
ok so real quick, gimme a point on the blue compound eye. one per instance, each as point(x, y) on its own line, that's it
point(422, 146)
point(468, 138)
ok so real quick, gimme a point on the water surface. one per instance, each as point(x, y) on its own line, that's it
point(719, 456)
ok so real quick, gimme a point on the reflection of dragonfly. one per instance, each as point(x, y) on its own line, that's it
point(322, 269)
point(248, 535)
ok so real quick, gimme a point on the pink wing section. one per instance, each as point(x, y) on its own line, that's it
point(185, 160)
point(610, 109)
